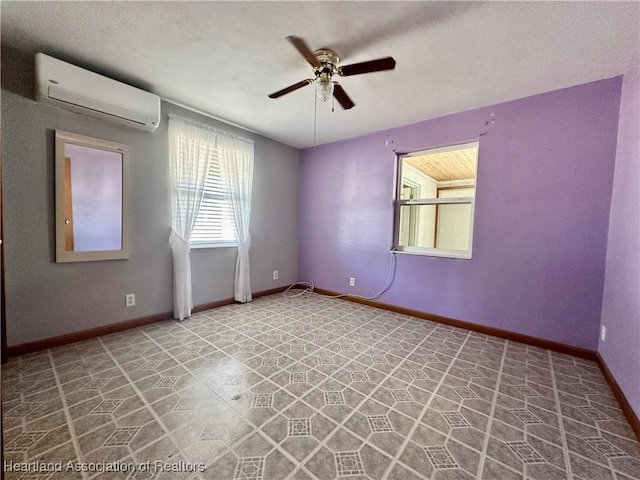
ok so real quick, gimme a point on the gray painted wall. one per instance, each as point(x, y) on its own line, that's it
point(45, 299)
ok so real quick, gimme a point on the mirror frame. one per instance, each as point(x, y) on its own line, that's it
point(63, 255)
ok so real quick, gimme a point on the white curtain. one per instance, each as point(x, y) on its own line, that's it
point(191, 150)
point(237, 163)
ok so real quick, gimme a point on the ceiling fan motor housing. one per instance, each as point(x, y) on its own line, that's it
point(328, 62)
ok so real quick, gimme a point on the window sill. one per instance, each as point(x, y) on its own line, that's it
point(433, 252)
point(198, 246)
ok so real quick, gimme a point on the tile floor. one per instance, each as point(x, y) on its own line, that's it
point(313, 388)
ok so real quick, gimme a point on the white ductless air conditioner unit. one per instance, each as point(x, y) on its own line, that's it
point(79, 90)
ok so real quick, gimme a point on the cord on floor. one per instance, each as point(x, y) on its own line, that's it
point(309, 291)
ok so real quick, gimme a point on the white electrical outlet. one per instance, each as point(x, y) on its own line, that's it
point(130, 299)
point(603, 333)
point(352, 281)
point(275, 274)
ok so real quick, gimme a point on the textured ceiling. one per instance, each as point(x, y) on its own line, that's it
point(224, 58)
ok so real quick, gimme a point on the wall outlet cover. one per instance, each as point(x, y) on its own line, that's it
point(130, 299)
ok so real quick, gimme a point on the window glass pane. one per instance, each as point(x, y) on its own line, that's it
point(435, 226)
point(417, 226)
point(430, 171)
point(452, 226)
point(454, 220)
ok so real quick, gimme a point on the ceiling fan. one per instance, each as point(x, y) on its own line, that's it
point(326, 64)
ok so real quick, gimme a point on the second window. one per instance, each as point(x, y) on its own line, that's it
point(435, 201)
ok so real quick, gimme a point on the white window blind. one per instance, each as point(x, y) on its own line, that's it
point(215, 225)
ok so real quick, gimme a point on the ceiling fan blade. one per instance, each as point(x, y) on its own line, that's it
point(342, 97)
point(387, 63)
point(304, 50)
point(290, 88)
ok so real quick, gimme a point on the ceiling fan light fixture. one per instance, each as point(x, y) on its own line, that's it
point(324, 88)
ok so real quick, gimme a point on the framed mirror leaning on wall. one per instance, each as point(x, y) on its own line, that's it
point(92, 189)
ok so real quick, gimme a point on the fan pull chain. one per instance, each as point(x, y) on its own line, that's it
point(315, 118)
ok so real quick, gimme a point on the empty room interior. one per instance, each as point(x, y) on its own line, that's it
point(320, 240)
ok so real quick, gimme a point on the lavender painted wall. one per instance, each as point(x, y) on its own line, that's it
point(621, 300)
point(544, 189)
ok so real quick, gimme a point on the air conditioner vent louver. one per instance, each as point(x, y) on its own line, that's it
point(62, 95)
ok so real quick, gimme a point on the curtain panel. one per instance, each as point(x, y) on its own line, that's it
point(190, 151)
point(193, 149)
point(237, 156)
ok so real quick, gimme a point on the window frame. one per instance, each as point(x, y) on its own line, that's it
point(219, 195)
point(64, 194)
point(398, 203)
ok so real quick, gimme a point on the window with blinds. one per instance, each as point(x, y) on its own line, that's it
point(215, 225)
